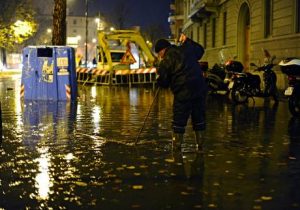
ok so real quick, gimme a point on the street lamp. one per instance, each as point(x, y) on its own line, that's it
point(86, 31)
point(48, 36)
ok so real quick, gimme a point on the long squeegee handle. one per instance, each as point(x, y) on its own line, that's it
point(150, 108)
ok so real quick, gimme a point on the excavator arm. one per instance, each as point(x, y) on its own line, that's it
point(124, 37)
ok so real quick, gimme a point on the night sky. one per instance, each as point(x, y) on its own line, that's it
point(143, 13)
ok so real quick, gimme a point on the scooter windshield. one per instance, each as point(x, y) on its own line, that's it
point(225, 55)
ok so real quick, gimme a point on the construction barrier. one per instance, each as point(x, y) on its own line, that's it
point(117, 77)
point(93, 75)
point(101, 77)
point(82, 74)
point(121, 77)
point(143, 76)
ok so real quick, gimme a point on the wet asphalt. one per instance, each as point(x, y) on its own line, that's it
point(81, 155)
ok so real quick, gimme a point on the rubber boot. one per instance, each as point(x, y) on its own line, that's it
point(188, 158)
point(199, 140)
point(189, 145)
point(177, 140)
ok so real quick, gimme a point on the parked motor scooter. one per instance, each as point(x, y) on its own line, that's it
point(245, 85)
point(218, 77)
point(215, 79)
point(291, 67)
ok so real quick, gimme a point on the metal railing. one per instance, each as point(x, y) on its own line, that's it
point(116, 77)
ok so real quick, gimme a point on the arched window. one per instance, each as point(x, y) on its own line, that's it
point(297, 16)
point(268, 17)
point(204, 35)
point(213, 32)
point(224, 27)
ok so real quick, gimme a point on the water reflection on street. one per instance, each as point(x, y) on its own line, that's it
point(63, 155)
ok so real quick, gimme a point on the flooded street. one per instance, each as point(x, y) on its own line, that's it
point(59, 155)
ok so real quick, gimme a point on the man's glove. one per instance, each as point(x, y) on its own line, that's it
point(182, 38)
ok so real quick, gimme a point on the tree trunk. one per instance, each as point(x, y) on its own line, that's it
point(3, 56)
point(59, 22)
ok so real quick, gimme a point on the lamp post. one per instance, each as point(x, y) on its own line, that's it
point(86, 31)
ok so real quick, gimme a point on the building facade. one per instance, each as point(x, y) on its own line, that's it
point(176, 18)
point(241, 29)
point(80, 31)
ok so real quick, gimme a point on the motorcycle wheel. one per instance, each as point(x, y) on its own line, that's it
point(212, 85)
point(294, 105)
point(238, 96)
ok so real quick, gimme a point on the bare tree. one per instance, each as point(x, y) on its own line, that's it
point(59, 22)
point(121, 14)
point(154, 32)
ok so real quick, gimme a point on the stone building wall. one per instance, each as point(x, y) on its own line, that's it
point(282, 41)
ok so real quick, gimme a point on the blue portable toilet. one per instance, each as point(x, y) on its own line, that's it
point(49, 73)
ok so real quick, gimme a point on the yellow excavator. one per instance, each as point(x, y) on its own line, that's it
point(123, 49)
point(123, 57)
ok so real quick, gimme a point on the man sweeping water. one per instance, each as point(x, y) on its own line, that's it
point(179, 70)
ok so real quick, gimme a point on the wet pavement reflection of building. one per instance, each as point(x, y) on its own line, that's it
point(81, 155)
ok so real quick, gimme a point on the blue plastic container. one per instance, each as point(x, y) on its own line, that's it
point(49, 73)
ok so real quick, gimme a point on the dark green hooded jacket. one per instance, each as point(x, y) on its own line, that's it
point(181, 71)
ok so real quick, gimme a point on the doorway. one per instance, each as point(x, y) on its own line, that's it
point(243, 35)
